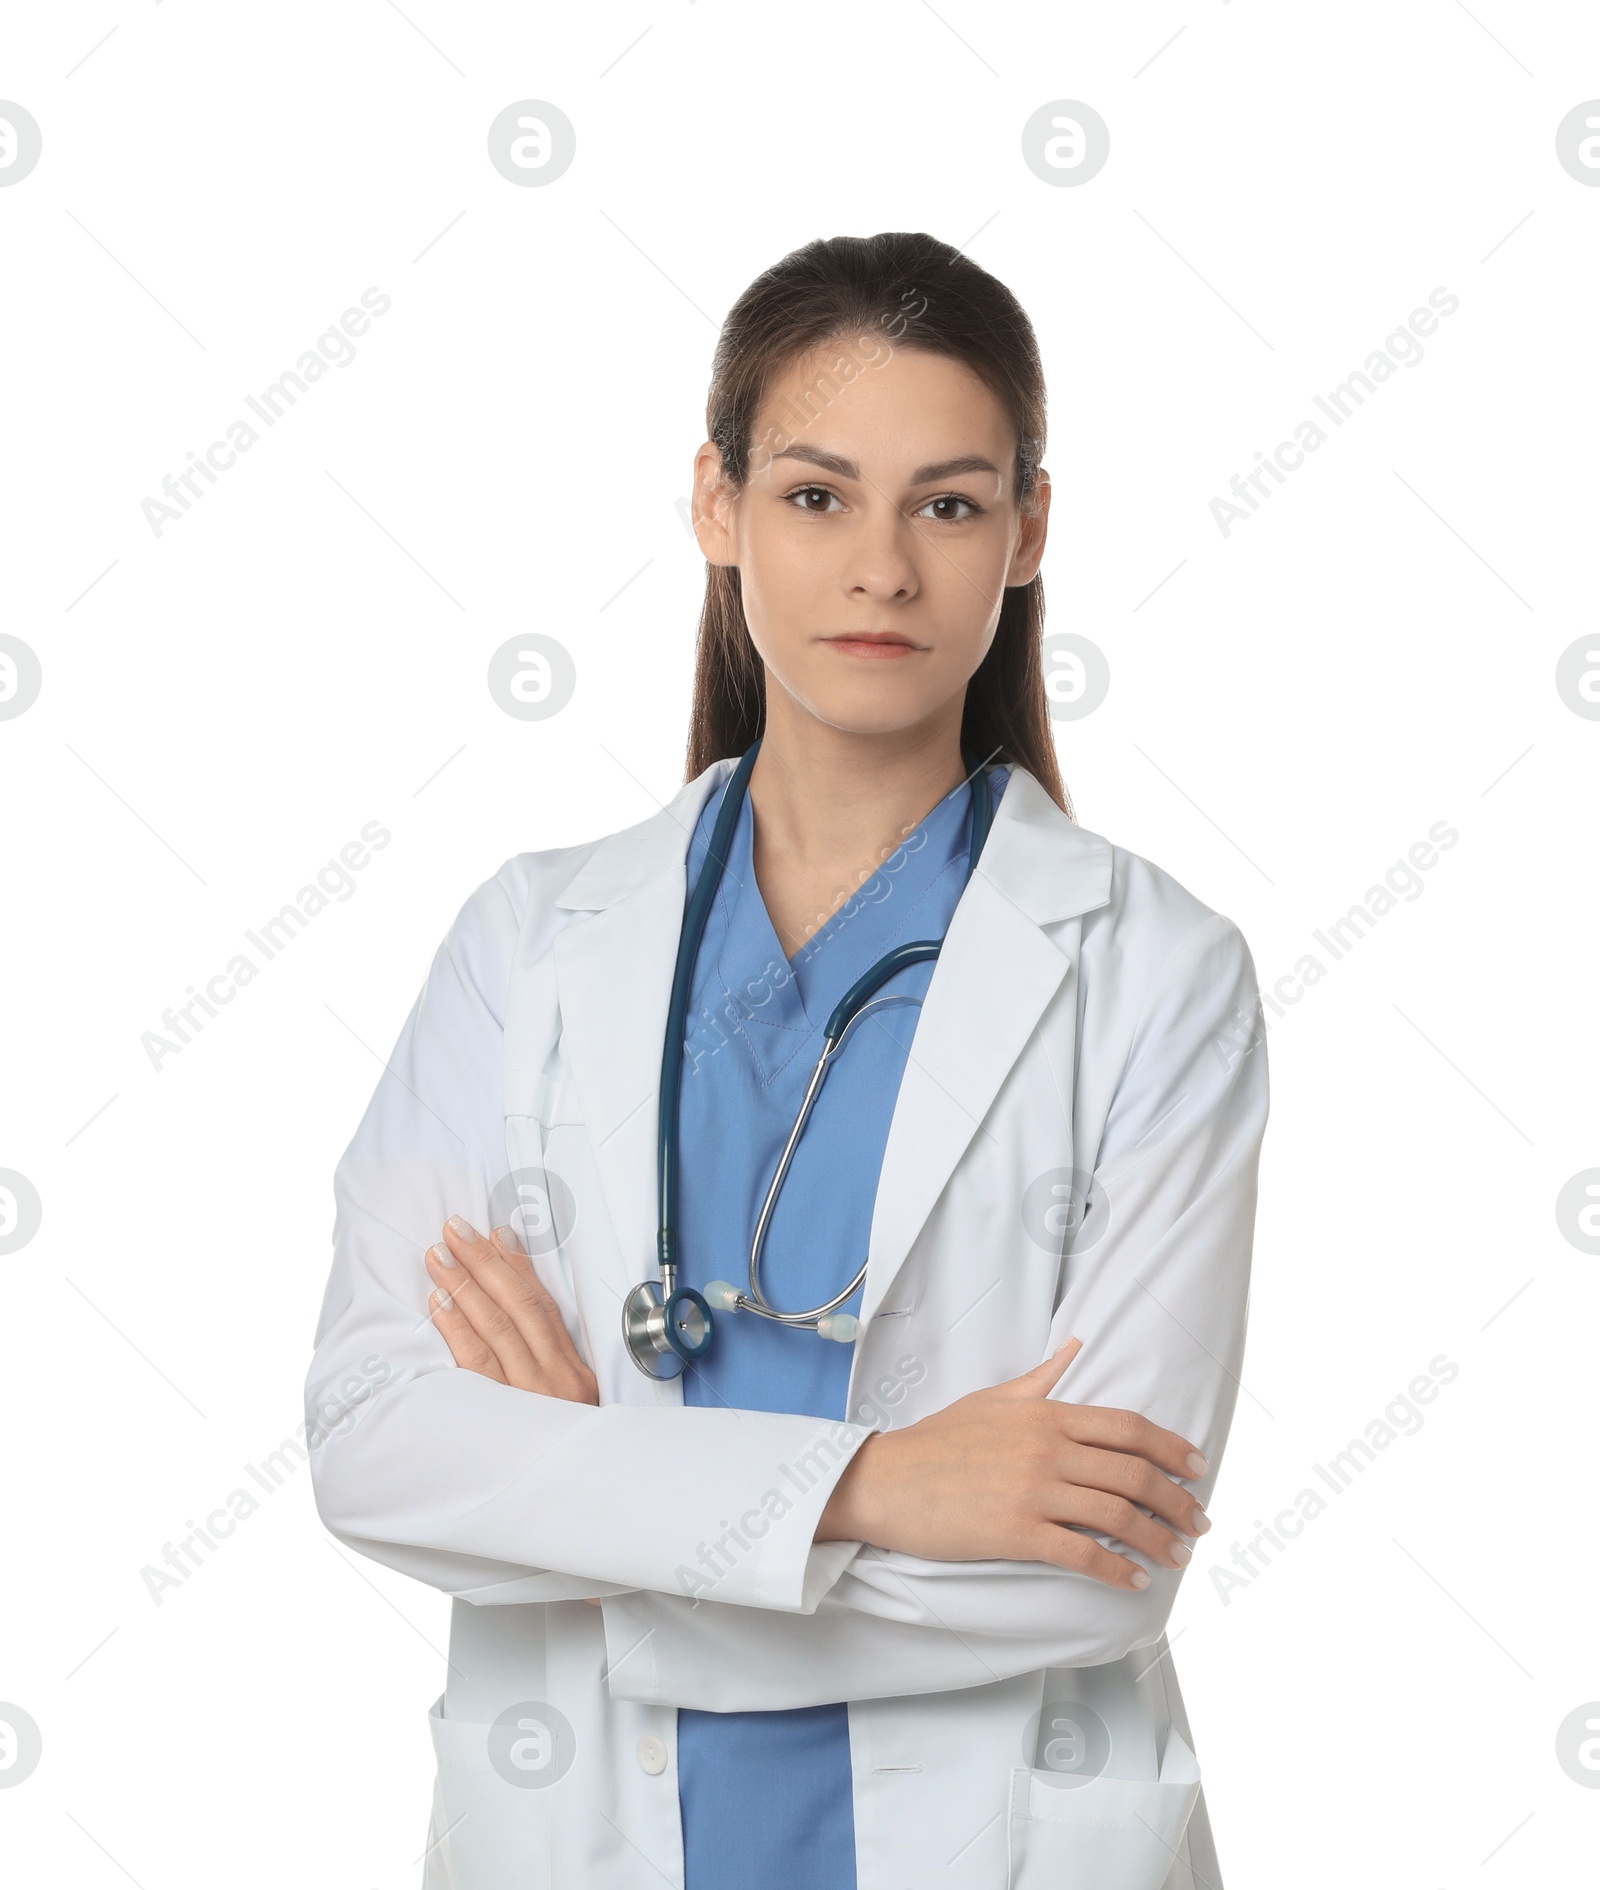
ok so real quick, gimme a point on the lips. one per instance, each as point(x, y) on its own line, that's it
point(882, 644)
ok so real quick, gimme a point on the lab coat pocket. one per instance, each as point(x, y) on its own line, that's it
point(488, 1833)
point(1105, 1834)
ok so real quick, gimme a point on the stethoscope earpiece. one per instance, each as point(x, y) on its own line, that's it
point(842, 1326)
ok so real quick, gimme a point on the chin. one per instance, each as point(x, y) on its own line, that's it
point(873, 712)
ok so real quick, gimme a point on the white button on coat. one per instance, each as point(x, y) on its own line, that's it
point(1088, 1018)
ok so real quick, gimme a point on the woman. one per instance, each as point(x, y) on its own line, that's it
point(875, 1598)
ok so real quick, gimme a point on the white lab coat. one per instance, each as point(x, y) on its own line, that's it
point(1087, 1014)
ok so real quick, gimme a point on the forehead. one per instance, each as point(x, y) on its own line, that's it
point(862, 398)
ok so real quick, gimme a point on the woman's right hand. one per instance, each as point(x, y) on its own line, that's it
point(1012, 1474)
point(497, 1317)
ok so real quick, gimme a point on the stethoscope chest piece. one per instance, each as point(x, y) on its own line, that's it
point(664, 1336)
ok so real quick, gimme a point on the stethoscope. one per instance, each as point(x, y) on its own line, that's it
point(666, 1326)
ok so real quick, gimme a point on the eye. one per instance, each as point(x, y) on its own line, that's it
point(806, 493)
point(947, 517)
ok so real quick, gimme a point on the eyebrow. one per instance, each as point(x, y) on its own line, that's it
point(923, 476)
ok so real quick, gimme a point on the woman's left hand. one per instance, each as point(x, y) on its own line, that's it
point(497, 1318)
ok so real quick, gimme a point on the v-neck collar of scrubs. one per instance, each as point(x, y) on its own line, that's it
point(778, 1001)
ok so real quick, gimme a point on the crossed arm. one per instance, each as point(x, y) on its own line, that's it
point(1005, 1474)
point(955, 1551)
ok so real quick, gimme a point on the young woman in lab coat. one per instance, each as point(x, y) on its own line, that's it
point(819, 1614)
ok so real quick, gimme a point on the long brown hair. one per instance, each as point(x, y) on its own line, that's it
point(920, 293)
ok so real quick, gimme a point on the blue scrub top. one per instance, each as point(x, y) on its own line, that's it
point(765, 1798)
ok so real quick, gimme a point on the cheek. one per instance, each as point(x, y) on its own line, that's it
point(790, 586)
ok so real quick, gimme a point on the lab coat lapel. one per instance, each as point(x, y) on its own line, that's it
point(998, 971)
point(614, 977)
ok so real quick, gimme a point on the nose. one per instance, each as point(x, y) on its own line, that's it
point(881, 563)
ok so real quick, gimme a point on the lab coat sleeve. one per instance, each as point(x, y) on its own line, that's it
point(491, 1493)
point(1159, 1302)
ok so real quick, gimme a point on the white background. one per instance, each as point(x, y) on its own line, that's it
point(225, 705)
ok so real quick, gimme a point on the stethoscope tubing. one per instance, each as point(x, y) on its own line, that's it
point(653, 1314)
point(694, 925)
point(833, 1042)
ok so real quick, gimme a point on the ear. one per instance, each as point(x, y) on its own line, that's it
point(1025, 560)
point(712, 506)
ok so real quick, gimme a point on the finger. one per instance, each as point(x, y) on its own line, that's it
point(512, 1309)
point(1135, 1436)
point(466, 1348)
point(1134, 1481)
point(1043, 1378)
point(506, 1274)
point(489, 1320)
point(564, 1373)
point(1067, 1549)
point(1116, 1516)
point(537, 1300)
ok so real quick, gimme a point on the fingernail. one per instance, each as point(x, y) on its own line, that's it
point(441, 1255)
point(507, 1237)
point(1197, 1464)
point(1202, 1522)
point(461, 1229)
point(442, 1302)
point(1181, 1553)
point(1140, 1579)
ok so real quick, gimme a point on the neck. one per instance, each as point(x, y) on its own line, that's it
point(830, 805)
